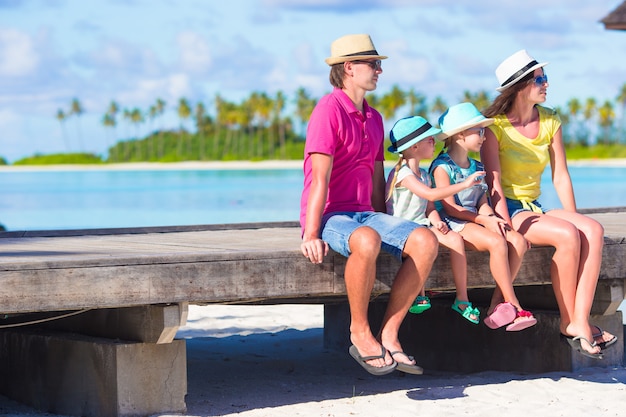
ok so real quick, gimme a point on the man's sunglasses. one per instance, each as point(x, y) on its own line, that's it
point(375, 64)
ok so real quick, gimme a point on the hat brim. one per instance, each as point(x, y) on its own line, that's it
point(528, 71)
point(433, 131)
point(476, 122)
point(332, 60)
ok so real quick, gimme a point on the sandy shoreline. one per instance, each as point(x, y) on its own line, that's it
point(225, 165)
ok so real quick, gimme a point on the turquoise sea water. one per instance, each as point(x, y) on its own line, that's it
point(77, 199)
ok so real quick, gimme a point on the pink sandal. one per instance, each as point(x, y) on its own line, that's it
point(503, 314)
point(528, 321)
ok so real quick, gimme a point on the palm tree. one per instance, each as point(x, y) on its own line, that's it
point(136, 118)
point(184, 112)
point(304, 107)
point(417, 102)
point(391, 102)
point(279, 106)
point(621, 98)
point(112, 111)
point(160, 109)
point(76, 109)
point(152, 114)
point(200, 115)
point(573, 110)
point(61, 117)
point(606, 115)
point(437, 108)
point(589, 113)
point(108, 122)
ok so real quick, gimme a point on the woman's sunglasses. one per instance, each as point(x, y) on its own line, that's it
point(541, 80)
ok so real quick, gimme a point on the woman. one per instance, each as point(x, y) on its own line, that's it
point(526, 136)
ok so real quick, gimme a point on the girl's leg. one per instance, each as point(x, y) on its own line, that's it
point(517, 247)
point(458, 261)
point(481, 239)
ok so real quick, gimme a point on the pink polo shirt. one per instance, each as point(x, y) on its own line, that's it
point(355, 141)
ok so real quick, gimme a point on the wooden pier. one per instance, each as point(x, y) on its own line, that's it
point(123, 293)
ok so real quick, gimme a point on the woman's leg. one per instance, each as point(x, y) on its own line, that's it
point(591, 245)
point(553, 230)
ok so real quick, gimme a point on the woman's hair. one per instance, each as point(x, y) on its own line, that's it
point(504, 102)
point(392, 184)
point(336, 75)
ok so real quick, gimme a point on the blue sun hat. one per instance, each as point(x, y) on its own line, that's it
point(408, 131)
point(461, 117)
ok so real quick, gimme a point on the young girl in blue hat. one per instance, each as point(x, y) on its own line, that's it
point(410, 195)
point(470, 214)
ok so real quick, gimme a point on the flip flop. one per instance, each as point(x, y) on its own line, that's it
point(421, 304)
point(405, 367)
point(503, 314)
point(575, 343)
point(516, 326)
point(600, 333)
point(374, 370)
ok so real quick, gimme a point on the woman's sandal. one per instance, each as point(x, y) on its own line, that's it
point(468, 312)
point(421, 304)
point(527, 320)
point(599, 334)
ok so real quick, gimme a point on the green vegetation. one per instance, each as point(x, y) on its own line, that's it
point(259, 128)
point(54, 159)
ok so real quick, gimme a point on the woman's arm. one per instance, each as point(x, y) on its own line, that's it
point(490, 157)
point(560, 174)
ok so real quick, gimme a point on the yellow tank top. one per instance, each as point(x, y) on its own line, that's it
point(522, 159)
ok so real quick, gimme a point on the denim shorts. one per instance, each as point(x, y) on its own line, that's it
point(515, 207)
point(393, 231)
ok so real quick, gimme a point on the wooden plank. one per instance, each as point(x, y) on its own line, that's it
point(68, 272)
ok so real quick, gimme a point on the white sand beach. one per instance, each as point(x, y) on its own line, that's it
point(262, 361)
point(225, 165)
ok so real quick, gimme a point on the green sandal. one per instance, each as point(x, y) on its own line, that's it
point(421, 304)
point(468, 312)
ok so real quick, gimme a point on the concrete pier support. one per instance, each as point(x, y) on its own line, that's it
point(107, 362)
point(87, 376)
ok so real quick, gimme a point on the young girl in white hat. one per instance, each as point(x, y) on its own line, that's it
point(469, 213)
point(410, 195)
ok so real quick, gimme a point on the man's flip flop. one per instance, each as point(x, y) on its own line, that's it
point(600, 333)
point(405, 367)
point(503, 314)
point(575, 343)
point(374, 370)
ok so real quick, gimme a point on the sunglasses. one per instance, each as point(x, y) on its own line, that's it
point(541, 80)
point(481, 131)
point(375, 64)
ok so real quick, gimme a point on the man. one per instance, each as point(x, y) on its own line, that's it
point(343, 205)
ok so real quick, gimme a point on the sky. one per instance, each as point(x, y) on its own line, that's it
point(138, 51)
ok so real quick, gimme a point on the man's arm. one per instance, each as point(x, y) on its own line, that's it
point(378, 190)
point(313, 247)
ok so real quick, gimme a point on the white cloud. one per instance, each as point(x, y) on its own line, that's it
point(195, 52)
point(18, 56)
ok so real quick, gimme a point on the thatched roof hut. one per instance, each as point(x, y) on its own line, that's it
point(616, 20)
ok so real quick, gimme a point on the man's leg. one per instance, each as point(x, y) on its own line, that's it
point(420, 252)
point(360, 275)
